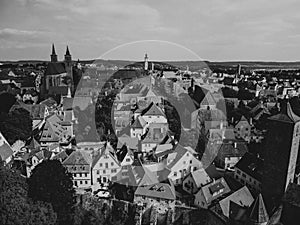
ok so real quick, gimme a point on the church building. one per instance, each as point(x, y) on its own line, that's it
point(58, 77)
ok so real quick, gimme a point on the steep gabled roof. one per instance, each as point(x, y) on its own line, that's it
point(258, 212)
point(179, 152)
point(208, 99)
point(139, 175)
point(213, 191)
point(33, 144)
point(251, 165)
point(228, 149)
point(48, 133)
point(242, 197)
point(106, 151)
point(139, 123)
point(153, 110)
point(55, 68)
point(78, 157)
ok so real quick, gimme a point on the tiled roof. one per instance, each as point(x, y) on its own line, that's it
point(153, 110)
point(55, 68)
point(241, 197)
point(200, 177)
point(79, 157)
point(160, 190)
point(61, 156)
point(228, 149)
point(208, 99)
point(48, 134)
point(33, 144)
point(139, 175)
point(251, 165)
point(210, 189)
point(139, 123)
point(179, 152)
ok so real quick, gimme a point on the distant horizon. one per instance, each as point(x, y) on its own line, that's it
point(205, 60)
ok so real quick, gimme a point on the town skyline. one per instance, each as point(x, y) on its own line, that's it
point(216, 31)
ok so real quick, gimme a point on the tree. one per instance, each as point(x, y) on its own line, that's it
point(50, 182)
point(13, 192)
point(41, 213)
point(16, 125)
point(7, 100)
point(15, 207)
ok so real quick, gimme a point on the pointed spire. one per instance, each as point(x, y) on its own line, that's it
point(53, 49)
point(291, 114)
point(53, 55)
point(258, 214)
point(67, 51)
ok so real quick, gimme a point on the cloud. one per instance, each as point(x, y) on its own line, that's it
point(13, 33)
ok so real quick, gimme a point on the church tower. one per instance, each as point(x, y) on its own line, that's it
point(280, 156)
point(53, 55)
point(146, 62)
point(68, 65)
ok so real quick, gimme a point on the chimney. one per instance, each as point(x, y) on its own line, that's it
point(221, 125)
point(235, 145)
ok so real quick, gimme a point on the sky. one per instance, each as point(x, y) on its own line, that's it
point(216, 30)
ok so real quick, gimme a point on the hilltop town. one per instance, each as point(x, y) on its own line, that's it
point(152, 143)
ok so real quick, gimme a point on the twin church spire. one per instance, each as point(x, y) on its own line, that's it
point(68, 57)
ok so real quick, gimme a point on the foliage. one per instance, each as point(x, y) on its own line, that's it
point(50, 182)
point(15, 207)
point(7, 100)
point(16, 125)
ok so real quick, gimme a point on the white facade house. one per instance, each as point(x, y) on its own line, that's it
point(105, 167)
point(181, 162)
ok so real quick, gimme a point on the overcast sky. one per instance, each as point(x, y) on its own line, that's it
point(213, 29)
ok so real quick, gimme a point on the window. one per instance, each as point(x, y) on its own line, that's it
point(244, 175)
point(104, 179)
point(238, 172)
point(100, 164)
point(86, 182)
point(80, 175)
point(98, 171)
point(191, 161)
point(104, 171)
point(175, 174)
point(106, 165)
point(75, 183)
point(80, 182)
point(114, 170)
point(128, 160)
point(112, 163)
